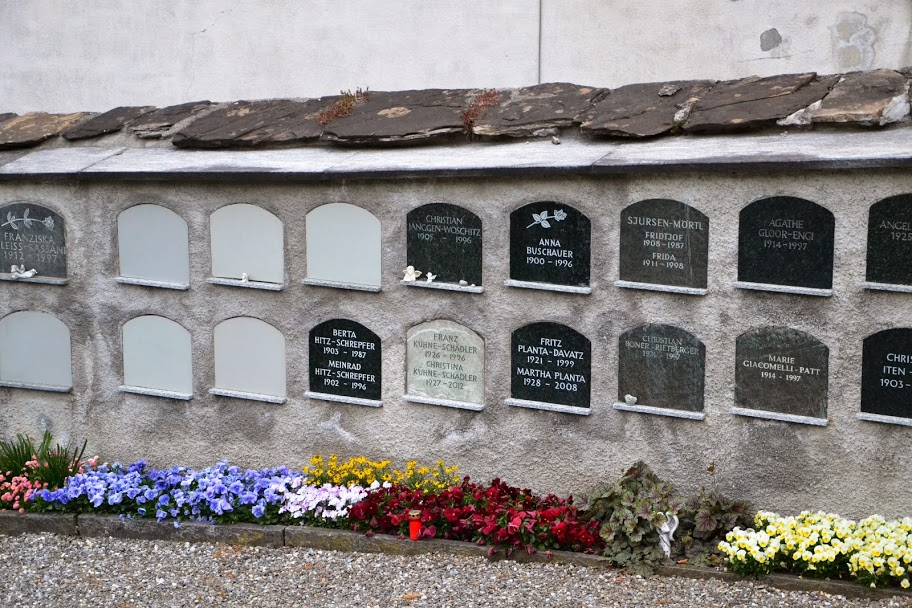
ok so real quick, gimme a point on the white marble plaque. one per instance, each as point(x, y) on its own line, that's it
point(445, 361)
point(247, 241)
point(35, 352)
point(157, 357)
point(343, 247)
point(249, 360)
point(153, 247)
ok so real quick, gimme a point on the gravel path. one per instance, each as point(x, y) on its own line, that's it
point(60, 571)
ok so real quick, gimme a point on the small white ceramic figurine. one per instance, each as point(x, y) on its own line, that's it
point(430, 277)
point(666, 533)
point(21, 273)
point(630, 399)
point(410, 274)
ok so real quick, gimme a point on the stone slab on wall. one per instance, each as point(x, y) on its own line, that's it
point(850, 466)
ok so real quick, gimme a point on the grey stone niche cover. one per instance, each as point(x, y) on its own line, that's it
point(886, 376)
point(786, 244)
point(32, 238)
point(782, 374)
point(661, 367)
point(444, 240)
point(345, 363)
point(550, 368)
point(664, 242)
point(890, 244)
point(550, 247)
point(445, 365)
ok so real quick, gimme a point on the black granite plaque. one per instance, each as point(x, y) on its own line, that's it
point(551, 363)
point(32, 238)
point(890, 241)
point(549, 243)
point(886, 373)
point(661, 366)
point(782, 370)
point(786, 241)
point(664, 242)
point(345, 360)
point(444, 240)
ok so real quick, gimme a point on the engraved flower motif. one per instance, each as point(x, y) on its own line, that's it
point(410, 274)
point(48, 222)
point(541, 219)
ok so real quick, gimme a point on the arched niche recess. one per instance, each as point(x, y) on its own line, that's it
point(343, 247)
point(248, 247)
point(249, 360)
point(35, 352)
point(153, 247)
point(157, 358)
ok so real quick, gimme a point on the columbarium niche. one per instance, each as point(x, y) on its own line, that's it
point(248, 248)
point(345, 363)
point(249, 360)
point(153, 247)
point(550, 369)
point(157, 358)
point(781, 374)
point(886, 377)
point(890, 244)
point(343, 248)
point(32, 244)
point(785, 244)
point(35, 352)
point(550, 248)
point(443, 242)
point(445, 364)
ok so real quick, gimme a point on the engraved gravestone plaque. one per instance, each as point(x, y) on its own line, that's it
point(32, 238)
point(890, 241)
point(549, 244)
point(782, 371)
point(345, 360)
point(551, 364)
point(661, 366)
point(445, 361)
point(886, 373)
point(786, 241)
point(444, 240)
point(664, 242)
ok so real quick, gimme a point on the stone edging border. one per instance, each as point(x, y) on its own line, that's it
point(255, 535)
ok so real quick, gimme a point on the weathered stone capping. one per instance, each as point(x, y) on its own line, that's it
point(274, 537)
point(873, 98)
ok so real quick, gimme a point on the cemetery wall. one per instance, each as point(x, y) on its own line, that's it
point(68, 55)
point(849, 465)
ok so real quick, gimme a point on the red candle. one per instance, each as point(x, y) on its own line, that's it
point(414, 524)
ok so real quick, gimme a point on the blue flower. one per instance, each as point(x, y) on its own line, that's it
point(258, 511)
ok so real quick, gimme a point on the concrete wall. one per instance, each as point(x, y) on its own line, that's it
point(71, 55)
point(850, 466)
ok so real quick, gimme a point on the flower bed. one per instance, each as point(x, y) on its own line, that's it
point(873, 551)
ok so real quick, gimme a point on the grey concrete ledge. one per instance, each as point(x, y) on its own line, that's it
point(861, 149)
point(224, 392)
point(659, 411)
point(459, 405)
point(40, 280)
point(246, 284)
point(887, 287)
point(324, 539)
point(744, 411)
point(446, 286)
point(548, 286)
point(341, 285)
point(343, 399)
point(883, 419)
point(690, 291)
point(13, 523)
point(151, 283)
point(36, 387)
point(551, 407)
point(154, 392)
point(801, 291)
point(251, 535)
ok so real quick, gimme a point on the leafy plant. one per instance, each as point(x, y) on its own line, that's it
point(343, 106)
point(707, 517)
point(484, 100)
point(15, 454)
point(630, 513)
point(55, 465)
